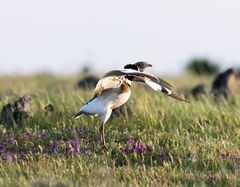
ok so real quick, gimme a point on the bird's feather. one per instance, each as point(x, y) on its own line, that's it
point(131, 72)
point(165, 90)
point(164, 83)
point(152, 81)
point(108, 83)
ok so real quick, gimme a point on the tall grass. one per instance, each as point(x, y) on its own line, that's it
point(191, 144)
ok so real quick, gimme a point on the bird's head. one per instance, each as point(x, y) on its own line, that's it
point(139, 66)
point(142, 65)
point(131, 66)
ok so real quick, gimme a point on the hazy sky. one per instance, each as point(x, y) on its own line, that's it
point(61, 36)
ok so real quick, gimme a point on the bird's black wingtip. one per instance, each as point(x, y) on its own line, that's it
point(179, 97)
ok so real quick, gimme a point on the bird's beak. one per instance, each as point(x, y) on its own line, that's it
point(149, 65)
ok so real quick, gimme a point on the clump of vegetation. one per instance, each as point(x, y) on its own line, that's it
point(202, 66)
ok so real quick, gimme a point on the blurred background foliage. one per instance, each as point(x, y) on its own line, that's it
point(202, 66)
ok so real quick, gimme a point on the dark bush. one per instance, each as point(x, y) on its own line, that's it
point(88, 82)
point(202, 67)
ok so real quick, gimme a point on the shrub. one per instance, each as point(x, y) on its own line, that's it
point(202, 66)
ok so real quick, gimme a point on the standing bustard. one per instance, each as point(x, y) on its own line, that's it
point(114, 89)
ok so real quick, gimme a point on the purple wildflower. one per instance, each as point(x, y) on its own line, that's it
point(44, 135)
point(69, 148)
point(14, 142)
point(56, 145)
point(161, 155)
point(21, 156)
point(85, 138)
point(133, 148)
point(11, 138)
point(76, 150)
point(76, 142)
point(97, 139)
point(132, 140)
point(140, 148)
point(8, 156)
point(150, 148)
point(3, 147)
point(223, 155)
point(52, 147)
point(82, 128)
point(126, 150)
point(28, 135)
point(69, 131)
point(234, 155)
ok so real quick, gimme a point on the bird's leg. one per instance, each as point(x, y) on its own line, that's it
point(102, 138)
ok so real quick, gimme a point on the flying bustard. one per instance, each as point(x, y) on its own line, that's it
point(114, 89)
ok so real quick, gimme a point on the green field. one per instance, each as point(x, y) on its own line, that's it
point(165, 142)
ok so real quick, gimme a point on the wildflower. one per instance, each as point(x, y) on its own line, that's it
point(150, 148)
point(76, 143)
point(51, 147)
point(82, 128)
point(97, 139)
point(133, 148)
point(85, 138)
point(3, 146)
point(76, 150)
point(223, 155)
point(234, 155)
point(28, 135)
point(21, 156)
point(69, 148)
point(14, 142)
point(161, 155)
point(132, 140)
point(8, 156)
point(126, 150)
point(69, 131)
point(140, 148)
point(44, 135)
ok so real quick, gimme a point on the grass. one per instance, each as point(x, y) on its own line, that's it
point(192, 144)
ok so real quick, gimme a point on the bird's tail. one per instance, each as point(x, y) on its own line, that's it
point(77, 115)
